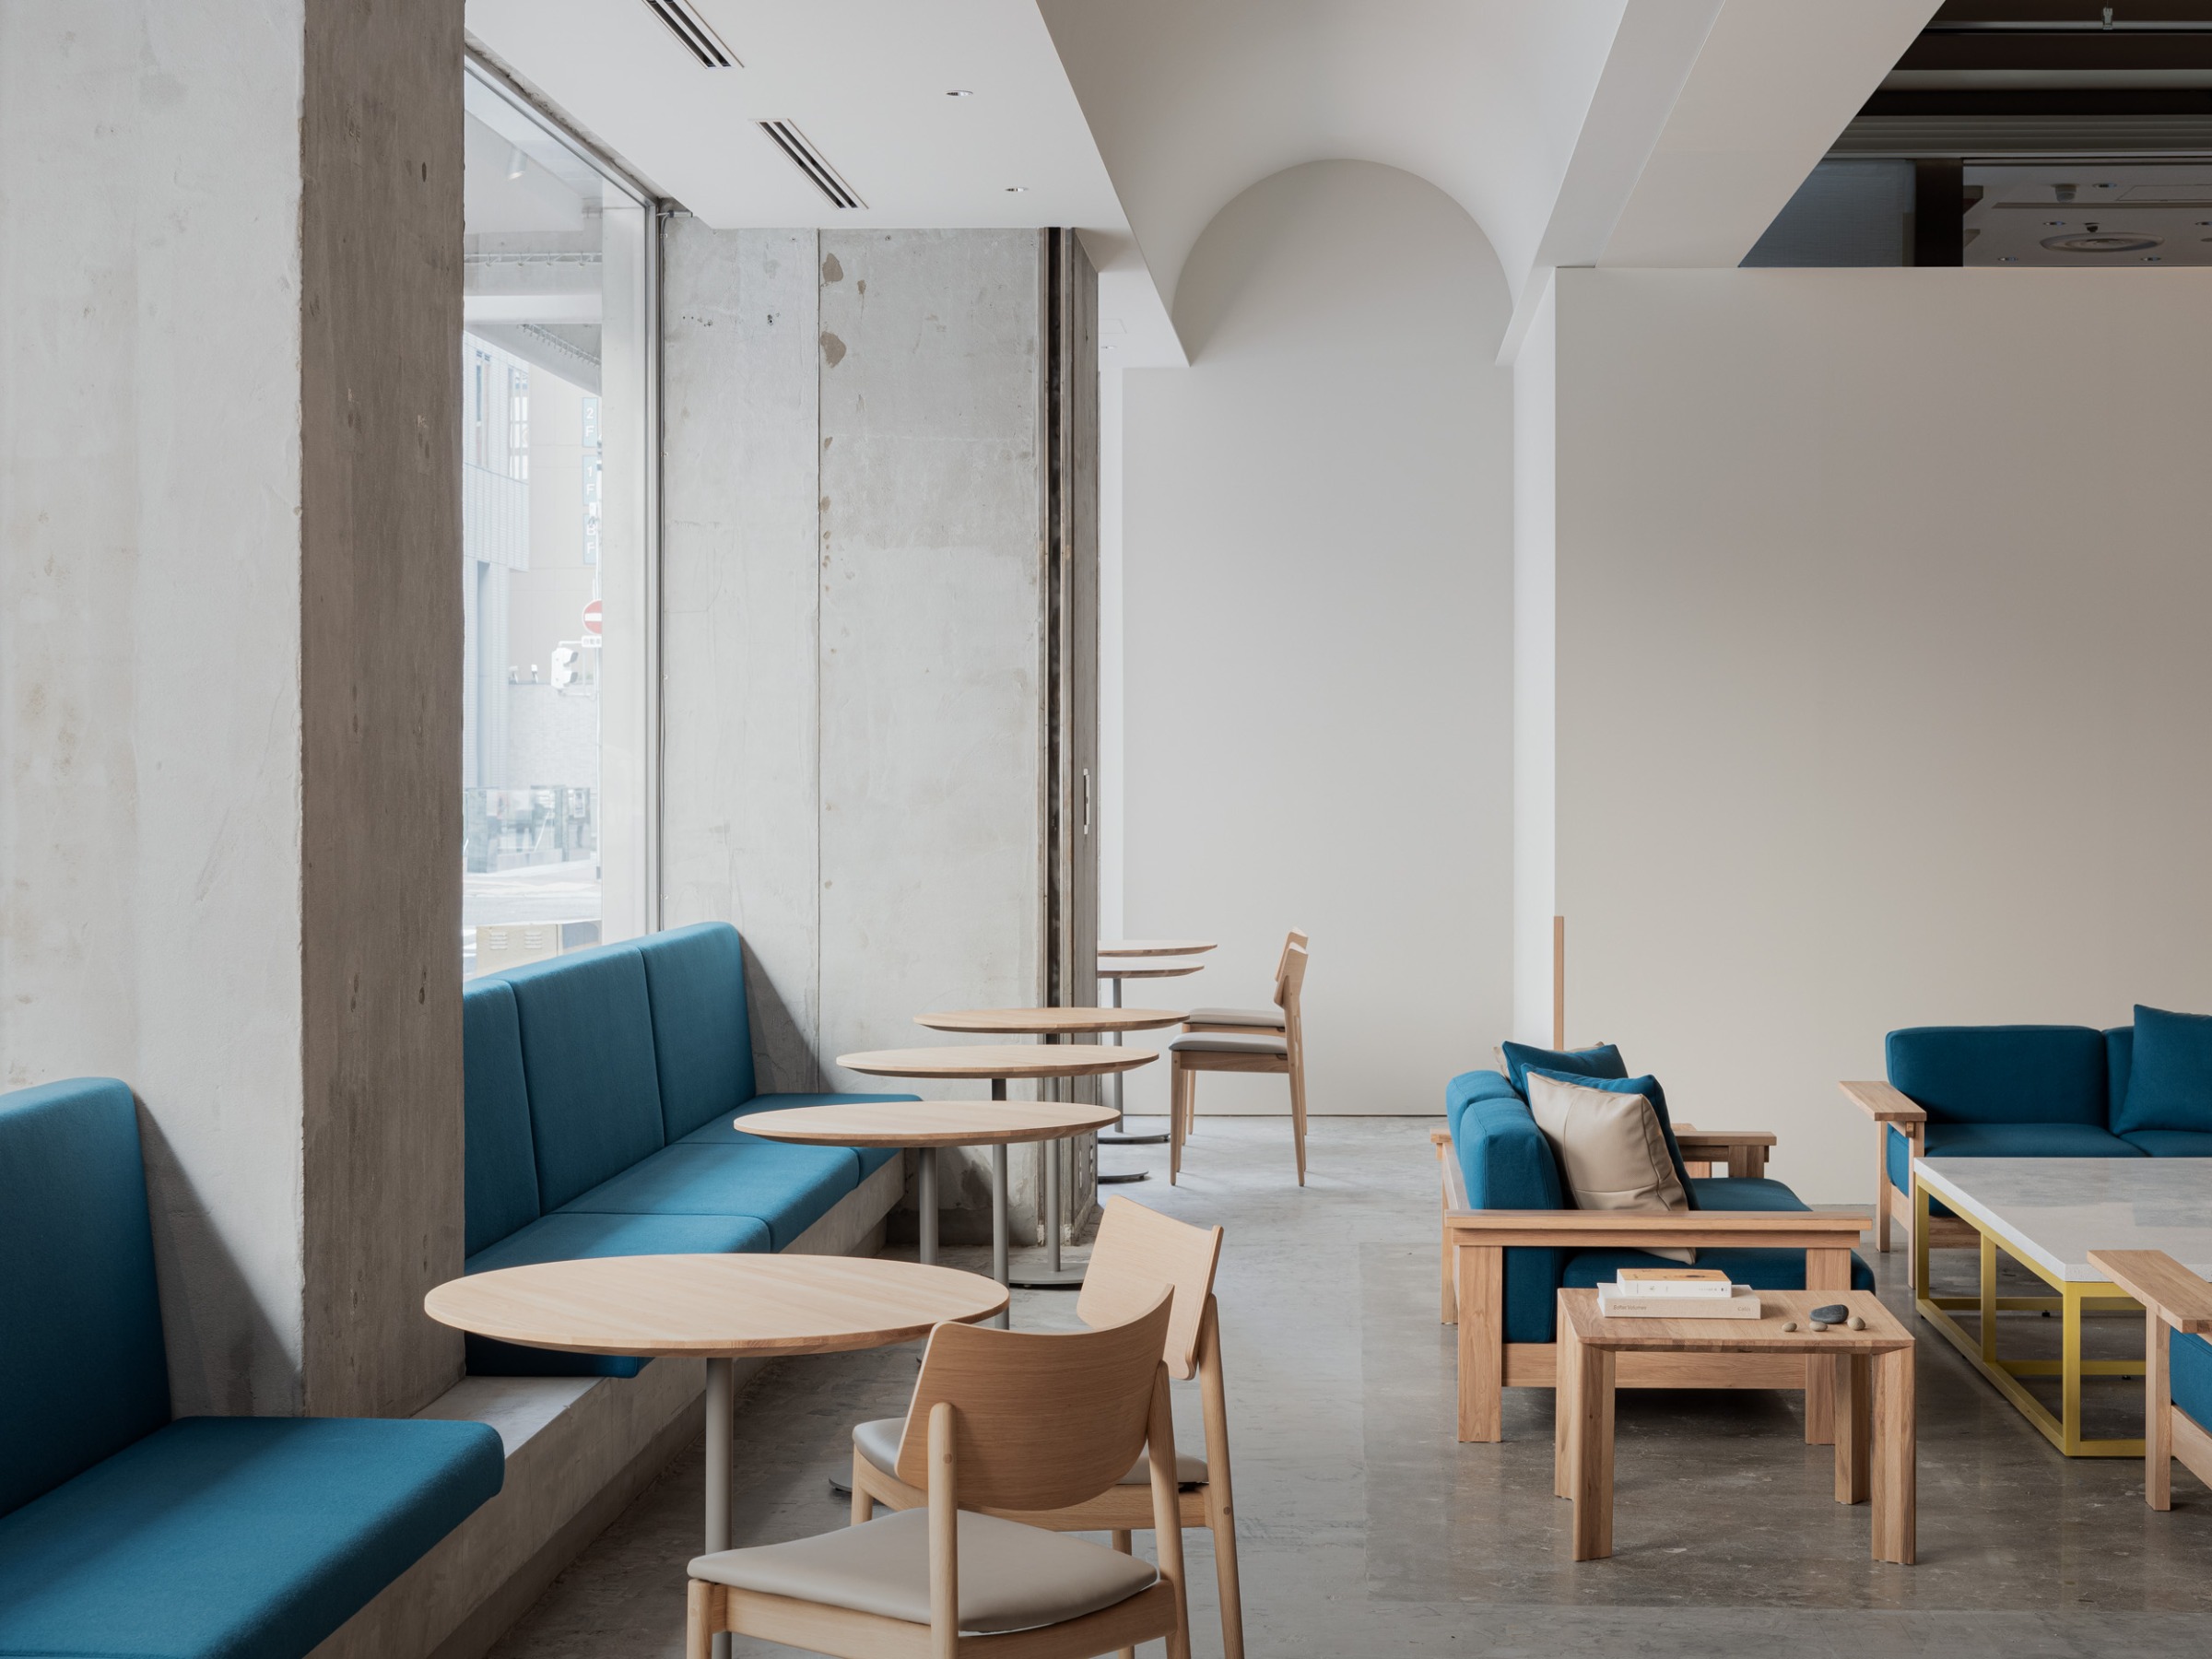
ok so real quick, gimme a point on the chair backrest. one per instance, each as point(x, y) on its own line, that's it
point(1040, 1421)
point(1282, 961)
point(1137, 1252)
point(83, 1370)
point(1288, 985)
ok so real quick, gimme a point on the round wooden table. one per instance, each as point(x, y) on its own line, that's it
point(718, 1308)
point(999, 1062)
point(1154, 947)
point(1113, 973)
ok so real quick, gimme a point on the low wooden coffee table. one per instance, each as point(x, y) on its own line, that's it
point(1875, 1434)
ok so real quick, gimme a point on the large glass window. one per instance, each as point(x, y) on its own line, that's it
point(557, 539)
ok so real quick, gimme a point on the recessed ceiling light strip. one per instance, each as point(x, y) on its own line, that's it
point(809, 160)
point(693, 31)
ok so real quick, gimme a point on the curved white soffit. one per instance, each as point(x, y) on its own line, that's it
point(1193, 101)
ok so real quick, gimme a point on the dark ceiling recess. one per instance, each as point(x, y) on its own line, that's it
point(811, 162)
point(695, 32)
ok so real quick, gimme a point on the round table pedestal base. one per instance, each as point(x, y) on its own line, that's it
point(1125, 1176)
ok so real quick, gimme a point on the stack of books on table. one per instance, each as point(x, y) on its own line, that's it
point(1676, 1293)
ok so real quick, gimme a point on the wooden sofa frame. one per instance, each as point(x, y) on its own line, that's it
point(1473, 1292)
point(1887, 1104)
point(2173, 1300)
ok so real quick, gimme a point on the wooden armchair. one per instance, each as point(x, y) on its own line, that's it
point(2175, 1302)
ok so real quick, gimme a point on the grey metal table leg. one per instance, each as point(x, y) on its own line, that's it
point(721, 1389)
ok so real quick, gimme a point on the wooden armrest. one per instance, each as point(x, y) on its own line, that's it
point(1883, 1103)
point(2162, 1284)
point(1720, 1140)
point(1439, 1137)
point(1706, 1230)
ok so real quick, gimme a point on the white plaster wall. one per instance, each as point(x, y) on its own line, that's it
point(1317, 573)
point(149, 628)
point(1535, 668)
point(1882, 674)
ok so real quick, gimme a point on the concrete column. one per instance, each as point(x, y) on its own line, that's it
point(230, 654)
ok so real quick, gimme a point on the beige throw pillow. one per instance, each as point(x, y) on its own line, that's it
point(1611, 1150)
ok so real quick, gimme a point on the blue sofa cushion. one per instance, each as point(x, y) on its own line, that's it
point(1649, 1088)
point(1470, 1087)
point(788, 1187)
point(696, 979)
point(235, 1537)
point(2002, 1140)
point(571, 1238)
point(2189, 1367)
point(1604, 1061)
point(501, 1168)
point(723, 1131)
point(2171, 1082)
point(83, 1373)
point(1743, 1193)
point(2119, 1065)
point(2015, 1074)
point(587, 1053)
point(1507, 1164)
point(2170, 1143)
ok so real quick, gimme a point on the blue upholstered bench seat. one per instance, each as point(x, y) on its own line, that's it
point(789, 1187)
point(2189, 1366)
point(234, 1537)
point(2006, 1140)
point(725, 1131)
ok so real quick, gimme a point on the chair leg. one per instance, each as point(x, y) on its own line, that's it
point(1223, 1525)
point(1298, 1114)
point(864, 1506)
point(1881, 1188)
point(1177, 1081)
point(698, 1620)
point(1124, 1545)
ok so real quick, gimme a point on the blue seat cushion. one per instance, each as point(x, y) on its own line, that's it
point(723, 1131)
point(235, 1537)
point(2170, 1143)
point(1603, 1061)
point(2169, 1086)
point(1744, 1193)
point(573, 1238)
point(2012, 1073)
point(695, 977)
point(500, 1167)
point(788, 1187)
point(1649, 1088)
point(2002, 1140)
point(83, 1373)
point(2189, 1366)
point(1470, 1087)
point(587, 1053)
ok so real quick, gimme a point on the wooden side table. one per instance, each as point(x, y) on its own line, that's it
point(1873, 1417)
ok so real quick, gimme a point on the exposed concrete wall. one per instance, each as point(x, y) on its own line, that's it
point(854, 646)
point(230, 512)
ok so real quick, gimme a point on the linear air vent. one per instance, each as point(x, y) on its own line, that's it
point(700, 40)
point(809, 161)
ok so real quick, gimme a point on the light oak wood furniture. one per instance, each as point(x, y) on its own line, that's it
point(1261, 1022)
point(1001, 1422)
point(1872, 1372)
point(1243, 1051)
point(716, 1308)
point(999, 1062)
point(1472, 1274)
point(1137, 1250)
point(925, 1125)
point(2173, 1300)
point(1111, 974)
point(1888, 1107)
point(1154, 947)
point(1738, 1153)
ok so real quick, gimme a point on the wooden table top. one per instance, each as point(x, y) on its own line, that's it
point(1154, 947)
point(1146, 970)
point(1000, 1060)
point(1053, 1022)
point(713, 1306)
point(929, 1123)
point(1764, 1333)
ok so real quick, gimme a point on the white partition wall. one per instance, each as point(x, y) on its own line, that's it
point(1882, 607)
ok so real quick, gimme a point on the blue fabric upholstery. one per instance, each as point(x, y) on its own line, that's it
point(2170, 1087)
point(696, 979)
point(2119, 1064)
point(1507, 1164)
point(83, 1373)
point(234, 1537)
point(587, 1053)
point(723, 1131)
point(1649, 1088)
point(1744, 1193)
point(2012, 1073)
point(571, 1238)
point(788, 1187)
point(1470, 1087)
point(499, 1164)
point(1604, 1061)
point(2002, 1140)
point(1760, 1269)
point(2170, 1143)
point(2189, 1369)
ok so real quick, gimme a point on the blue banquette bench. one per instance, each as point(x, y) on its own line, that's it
point(602, 1090)
point(124, 1531)
point(1511, 1245)
point(2034, 1091)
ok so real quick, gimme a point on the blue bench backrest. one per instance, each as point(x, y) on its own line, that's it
point(2006, 1074)
point(701, 1038)
point(83, 1373)
point(500, 1162)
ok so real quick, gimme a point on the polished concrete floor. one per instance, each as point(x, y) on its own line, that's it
point(1366, 1529)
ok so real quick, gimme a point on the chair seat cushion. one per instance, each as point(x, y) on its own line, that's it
point(1270, 1018)
point(879, 1442)
point(1230, 1043)
point(2189, 1366)
point(235, 1537)
point(2170, 1143)
point(1744, 1193)
point(573, 1238)
point(1760, 1269)
point(1012, 1577)
point(2004, 1140)
point(789, 1187)
point(723, 1131)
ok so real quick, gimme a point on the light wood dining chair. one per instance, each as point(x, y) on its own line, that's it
point(1225, 1051)
point(1000, 1422)
point(1247, 1022)
point(1137, 1250)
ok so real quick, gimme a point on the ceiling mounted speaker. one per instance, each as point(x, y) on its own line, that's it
point(700, 38)
point(2110, 242)
point(810, 161)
